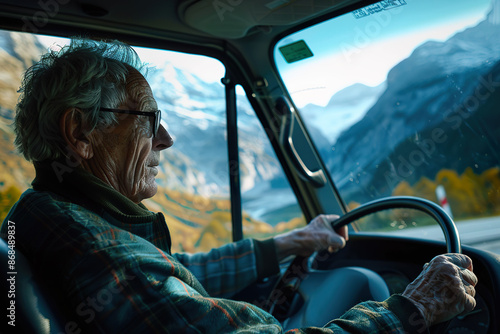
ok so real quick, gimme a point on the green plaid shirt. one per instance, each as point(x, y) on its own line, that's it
point(109, 261)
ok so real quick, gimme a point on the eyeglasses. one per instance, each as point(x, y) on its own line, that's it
point(155, 113)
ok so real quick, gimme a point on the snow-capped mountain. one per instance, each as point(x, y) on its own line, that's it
point(195, 115)
point(423, 91)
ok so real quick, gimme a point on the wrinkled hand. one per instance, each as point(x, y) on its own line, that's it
point(318, 235)
point(444, 289)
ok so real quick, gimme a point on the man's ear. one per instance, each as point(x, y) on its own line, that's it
point(74, 133)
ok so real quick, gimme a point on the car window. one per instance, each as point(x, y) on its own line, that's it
point(193, 181)
point(403, 100)
point(194, 199)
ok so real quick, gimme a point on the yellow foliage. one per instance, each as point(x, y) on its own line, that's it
point(468, 194)
point(403, 189)
point(8, 198)
point(223, 204)
point(491, 179)
point(217, 228)
point(447, 177)
point(352, 205)
point(425, 188)
point(208, 241)
point(290, 225)
point(255, 227)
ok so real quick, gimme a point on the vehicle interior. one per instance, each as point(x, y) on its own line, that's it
point(382, 112)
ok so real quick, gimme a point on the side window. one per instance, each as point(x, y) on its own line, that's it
point(193, 182)
point(269, 204)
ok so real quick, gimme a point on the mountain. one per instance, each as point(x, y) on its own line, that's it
point(194, 116)
point(439, 81)
point(347, 106)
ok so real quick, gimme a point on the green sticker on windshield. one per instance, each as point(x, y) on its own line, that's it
point(295, 51)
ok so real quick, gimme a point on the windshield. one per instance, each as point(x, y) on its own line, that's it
point(401, 98)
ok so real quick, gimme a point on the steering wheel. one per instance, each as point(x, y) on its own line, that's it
point(282, 302)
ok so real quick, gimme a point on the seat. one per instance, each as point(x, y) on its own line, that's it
point(26, 300)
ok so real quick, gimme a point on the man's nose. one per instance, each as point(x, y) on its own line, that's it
point(162, 140)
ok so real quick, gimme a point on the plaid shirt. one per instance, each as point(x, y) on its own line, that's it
point(109, 259)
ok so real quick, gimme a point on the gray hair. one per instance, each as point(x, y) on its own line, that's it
point(86, 75)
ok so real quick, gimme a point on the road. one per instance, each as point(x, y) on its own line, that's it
point(483, 233)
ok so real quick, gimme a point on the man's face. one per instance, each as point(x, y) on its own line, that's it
point(127, 155)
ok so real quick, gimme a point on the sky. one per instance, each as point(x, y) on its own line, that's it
point(359, 52)
point(208, 69)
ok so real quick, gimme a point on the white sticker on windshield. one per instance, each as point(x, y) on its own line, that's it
point(377, 7)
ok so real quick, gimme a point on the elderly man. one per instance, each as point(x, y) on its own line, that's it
point(88, 121)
